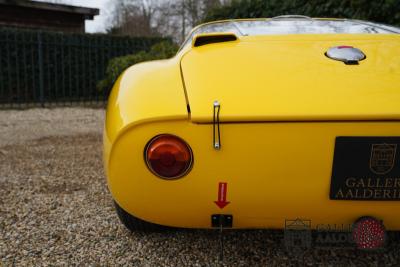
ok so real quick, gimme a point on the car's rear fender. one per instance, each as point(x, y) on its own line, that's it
point(145, 92)
point(274, 171)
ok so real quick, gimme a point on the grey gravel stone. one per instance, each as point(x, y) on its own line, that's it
point(55, 209)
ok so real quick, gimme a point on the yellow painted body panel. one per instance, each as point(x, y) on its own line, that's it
point(145, 92)
point(278, 164)
point(275, 78)
point(274, 171)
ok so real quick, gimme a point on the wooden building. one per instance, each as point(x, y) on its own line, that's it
point(46, 16)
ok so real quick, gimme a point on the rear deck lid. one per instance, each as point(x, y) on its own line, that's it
point(289, 78)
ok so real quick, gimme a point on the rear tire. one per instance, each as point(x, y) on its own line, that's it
point(134, 224)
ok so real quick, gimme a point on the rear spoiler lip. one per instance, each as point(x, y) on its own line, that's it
point(212, 38)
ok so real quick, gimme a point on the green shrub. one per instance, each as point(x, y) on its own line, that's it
point(116, 66)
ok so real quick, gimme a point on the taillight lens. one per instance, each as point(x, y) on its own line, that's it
point(168, 156)
point(369, 233)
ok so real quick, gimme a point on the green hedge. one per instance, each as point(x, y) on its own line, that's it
point(37, 66)
point(162, 50)
point(384, 11)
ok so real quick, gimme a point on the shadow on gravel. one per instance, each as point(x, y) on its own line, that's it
point(260, 248)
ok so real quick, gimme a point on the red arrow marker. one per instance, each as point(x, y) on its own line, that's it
point(221, 202)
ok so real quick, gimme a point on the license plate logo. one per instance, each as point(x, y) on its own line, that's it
point(382, 158)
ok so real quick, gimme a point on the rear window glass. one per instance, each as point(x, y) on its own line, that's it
point(302, 25)
point(310, 27)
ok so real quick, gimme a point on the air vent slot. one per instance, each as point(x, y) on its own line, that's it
point(212, 38)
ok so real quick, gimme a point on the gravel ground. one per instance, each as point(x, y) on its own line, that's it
point(55, 209)
point(19, 126)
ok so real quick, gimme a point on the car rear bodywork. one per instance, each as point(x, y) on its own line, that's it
point(283, 104)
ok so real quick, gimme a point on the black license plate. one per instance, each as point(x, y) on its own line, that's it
point(366, 168)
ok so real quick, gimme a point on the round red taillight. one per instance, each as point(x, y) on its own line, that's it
point(168, 156)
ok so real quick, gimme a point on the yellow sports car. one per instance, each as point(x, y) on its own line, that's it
point(255, 122)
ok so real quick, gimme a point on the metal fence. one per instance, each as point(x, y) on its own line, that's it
point(47, 68)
